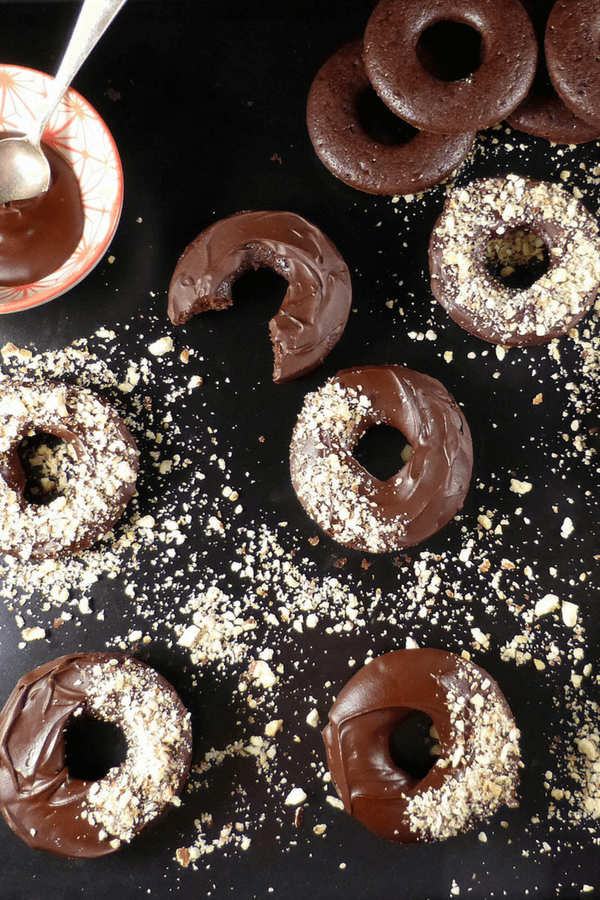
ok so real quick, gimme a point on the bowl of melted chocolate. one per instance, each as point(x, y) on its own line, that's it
point(51, 242)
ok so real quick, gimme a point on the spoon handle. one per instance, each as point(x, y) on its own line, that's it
point(94, 18)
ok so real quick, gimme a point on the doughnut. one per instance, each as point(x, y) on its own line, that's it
point(316, 307)
point(488, 95)
point(475, 773)
point(571, 45)
point(38, 235)
point(546, 116)
point(486, 210)
point(352, 155)
point(347, 502)
point(39, 799)
point(104, 468)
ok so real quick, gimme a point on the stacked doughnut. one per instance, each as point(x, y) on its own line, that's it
point(443, 105)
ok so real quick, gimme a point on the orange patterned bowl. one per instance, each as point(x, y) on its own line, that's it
point(79, 134)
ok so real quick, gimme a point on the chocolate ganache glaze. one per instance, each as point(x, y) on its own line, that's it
point(38, 235)
point(476, 764)
point(347, 502)
point(67, 816)
point(316, 306)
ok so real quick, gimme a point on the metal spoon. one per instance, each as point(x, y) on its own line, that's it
point(24, 169)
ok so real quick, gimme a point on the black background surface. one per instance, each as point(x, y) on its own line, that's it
point(206, 102)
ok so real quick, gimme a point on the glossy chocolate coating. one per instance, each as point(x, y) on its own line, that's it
point(495, 88)
point(38, 798)
point(415, 503)
point(479, 302)
point(352, 155)
point(391, 688)
point(315, 309)
point(571, 45)
point(37, 236)
point(106, 468)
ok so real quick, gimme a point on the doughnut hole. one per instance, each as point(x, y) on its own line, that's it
point(382, 451)
point(450, 51)
point(93, 746)
point(380, 123)
point(517, 258)
point(414, 745)
point(47, 462)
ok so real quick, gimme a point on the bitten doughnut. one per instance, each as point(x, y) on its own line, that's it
point(475, 773)
point(571, 45)
point(488, 95)
point(104, 468)
point(352, 506)
point(39, 799)
point(352, 155)
point(316, 306)
point(490, 209)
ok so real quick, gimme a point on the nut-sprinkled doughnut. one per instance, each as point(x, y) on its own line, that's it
point(488, 95)
point(572, 42)
point(476, 770)
point(104, 469)
point(351, 505)
point(316, 306)
point(349, 152)
point(479, 302)
point(42, 803)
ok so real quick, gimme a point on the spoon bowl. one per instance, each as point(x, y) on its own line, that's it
point(24, 169)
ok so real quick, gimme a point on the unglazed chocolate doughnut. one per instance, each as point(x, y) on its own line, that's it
point(350, 153)
point(104, 468)
point(572, 42)
point(316, 306)
point(476, 771)
point(352, 506)
point(479, 302)
point(488, 95)
point(38, 235)
point(546, 116)
point(39, 799)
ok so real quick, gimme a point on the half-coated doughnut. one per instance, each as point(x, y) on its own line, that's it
point(354, 507)
point(476, 768)
point(42, 803)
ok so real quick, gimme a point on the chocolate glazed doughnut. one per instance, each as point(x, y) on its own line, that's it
point(476, 770)
point(352, 155)
point(316, 306)
point(103, 472)
point(572, 41)
point(489, 209)
point(499, 84)
point(352, 506)
point(39, 799)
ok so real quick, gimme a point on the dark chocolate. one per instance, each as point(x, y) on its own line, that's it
point(350, 153)
point(477, 767)
point(315, 309)
point(546, 116)
point(38, 235)
point(488, 95)
point(347, 502)
point(41, 802)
